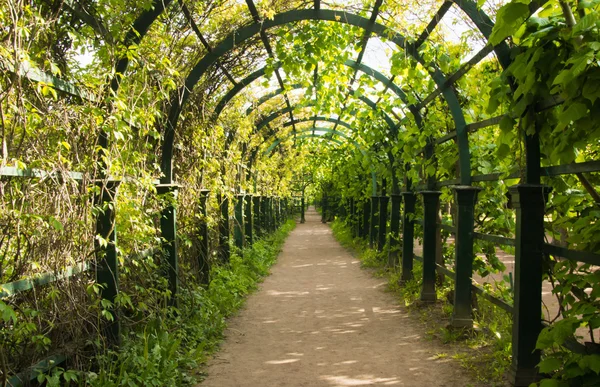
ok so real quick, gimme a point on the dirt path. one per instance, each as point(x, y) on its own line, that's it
point(319, 320)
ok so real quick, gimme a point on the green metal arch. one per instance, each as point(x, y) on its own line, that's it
point(245, 33)
point(278, 140)
point(350, 63)
point(391, 124)
point(309, 133)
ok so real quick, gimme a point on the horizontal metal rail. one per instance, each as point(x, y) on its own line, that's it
point(573, 255)
point(476, 289)
point(38, 173)
point(500, 240)
point(12, 288)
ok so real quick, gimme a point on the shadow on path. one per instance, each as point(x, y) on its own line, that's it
point(319, 320)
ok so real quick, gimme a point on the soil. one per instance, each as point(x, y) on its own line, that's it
point(319, 320)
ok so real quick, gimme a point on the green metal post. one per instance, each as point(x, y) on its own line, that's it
point(373, 222)
point(431, 202)
point(203, 256)
point(277, 212)
point(383, 214)
point(357, 218)
point(352, 216)
point(224, 250)
point(394, 230)
point(465, 198)
point(408, 235)
point(168, 227)
point(256, 203)
point(264, 215)
point(238, 227)
point(107, 263)
point(248, 220)
point(271, 214)
point(529, 203)
point(324, 209)
point(366, 219)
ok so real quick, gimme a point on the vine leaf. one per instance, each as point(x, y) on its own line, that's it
point(549, 365)
point(509, 19)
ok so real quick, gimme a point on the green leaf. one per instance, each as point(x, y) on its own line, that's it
point(7, 313)
point(56, 224)
point(549, 365)
point(574, 112)
point(594, 363)
point(507, 123)
point(586, 22)
point(549, 383)
point(509, 19)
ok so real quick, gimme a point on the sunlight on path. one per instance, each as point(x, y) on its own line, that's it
point(319, 320)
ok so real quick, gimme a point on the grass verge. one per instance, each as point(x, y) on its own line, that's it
point(169, 345)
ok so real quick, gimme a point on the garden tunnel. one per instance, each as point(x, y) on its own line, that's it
point(203, 104)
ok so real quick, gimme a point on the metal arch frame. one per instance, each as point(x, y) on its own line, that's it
point(350, 63)
point(310, 133)
point(143, 22)
point(278, 113)
point(247, 32)
point(337, 121)
point(350, 140)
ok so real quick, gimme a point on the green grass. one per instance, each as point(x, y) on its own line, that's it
point(172, 343)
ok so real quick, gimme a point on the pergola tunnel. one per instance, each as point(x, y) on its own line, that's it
point(156, 154)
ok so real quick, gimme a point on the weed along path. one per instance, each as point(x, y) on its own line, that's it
point(319, 320)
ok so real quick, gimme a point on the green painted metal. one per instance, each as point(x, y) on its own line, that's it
point(248, 220)
point(431, 202)
point(204, 253)
point(574, 255)
point(245, 33)
point(107, 262)
point(374, 221)
point(485, 25)
point(432, 24)
point(134, 36)
point(256, 199)
point(366, 226)
point(39, 173)
point(168, 228)
point(12, 288)
point(383, 216)
point(350, 63)
point(273, 116)
point(239, 87)
point(408, 235)
point(34, 74)
point(224, 250)
point(529, 203)
point(396, 200)
point(238, 227)
point(499, 240)
point(465, 198)
point(309, 133)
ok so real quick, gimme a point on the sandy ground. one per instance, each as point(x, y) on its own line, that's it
point(319, 320)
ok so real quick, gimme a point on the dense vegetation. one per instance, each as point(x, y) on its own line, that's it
point(97, 91)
